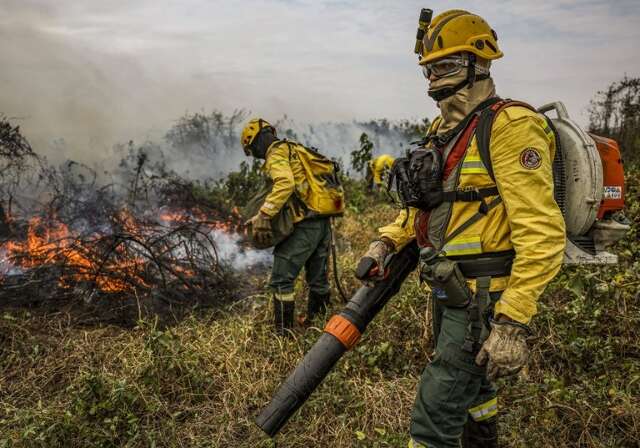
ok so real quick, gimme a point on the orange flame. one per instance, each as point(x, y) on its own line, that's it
point(52, 243)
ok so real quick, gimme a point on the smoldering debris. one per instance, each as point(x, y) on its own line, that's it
point(148, 243)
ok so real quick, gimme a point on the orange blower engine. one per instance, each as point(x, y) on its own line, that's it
point(589, 188)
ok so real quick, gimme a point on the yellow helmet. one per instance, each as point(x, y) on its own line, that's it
point(251, 130)
point(455, 31)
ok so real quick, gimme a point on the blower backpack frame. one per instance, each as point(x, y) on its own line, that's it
point(589, 188)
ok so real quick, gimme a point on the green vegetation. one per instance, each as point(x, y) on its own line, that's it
point(240, 186)
point(199, 382)
point(615, 113)
point(360, 157)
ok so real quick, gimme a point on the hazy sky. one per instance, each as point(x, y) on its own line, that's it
point(109, 70)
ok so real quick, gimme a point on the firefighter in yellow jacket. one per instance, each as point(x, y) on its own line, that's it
point(490, 247)
point(377, 170)
point(312, 200)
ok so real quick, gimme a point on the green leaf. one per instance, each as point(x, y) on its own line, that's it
point(576, 286)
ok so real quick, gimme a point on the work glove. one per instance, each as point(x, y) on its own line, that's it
point(378, 251)
point(505, 351)
point(261, 229)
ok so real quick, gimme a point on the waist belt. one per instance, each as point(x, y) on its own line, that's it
point(497, 264)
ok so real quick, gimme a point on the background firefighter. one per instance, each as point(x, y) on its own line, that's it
point(499, 223)
point(303, 186)
point(377, 170)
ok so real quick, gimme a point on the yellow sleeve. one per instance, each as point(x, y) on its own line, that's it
point(278, 168)
point(401, 231)
point(377, 170)
point(389, 162)
point(521, 153)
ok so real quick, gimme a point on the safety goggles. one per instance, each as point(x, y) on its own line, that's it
point(448, 67)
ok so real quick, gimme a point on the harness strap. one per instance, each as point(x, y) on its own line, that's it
point(475, 328)
point(485, 309)
point(485, 123)
point(481, 213)
point(483, 136)
point(469, 195)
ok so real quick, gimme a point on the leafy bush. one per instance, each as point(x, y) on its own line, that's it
point(240, 186)
point(207, 134)
point(359, 198)
point(615, 113)
point(360, 157)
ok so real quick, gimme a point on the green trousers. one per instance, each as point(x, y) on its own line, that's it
point(452, 388)
point(307, 246)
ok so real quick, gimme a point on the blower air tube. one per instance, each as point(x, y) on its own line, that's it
point(325, 353)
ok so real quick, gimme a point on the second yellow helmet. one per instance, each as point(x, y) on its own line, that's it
point(251, 130)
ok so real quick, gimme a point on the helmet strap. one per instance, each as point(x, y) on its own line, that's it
point(446, 92)
point(471, 70)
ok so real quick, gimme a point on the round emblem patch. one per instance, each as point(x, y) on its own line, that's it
point(530, 158)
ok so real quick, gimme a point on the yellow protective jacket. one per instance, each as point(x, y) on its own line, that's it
point(528, 220)
point(379, 165)
point(287, 174)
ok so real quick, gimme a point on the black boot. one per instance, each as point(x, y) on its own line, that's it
point(483, 434)
point(317, 304)
point(283, 316)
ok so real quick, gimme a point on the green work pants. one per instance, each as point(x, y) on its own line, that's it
point(307, 246)
point(452, 388)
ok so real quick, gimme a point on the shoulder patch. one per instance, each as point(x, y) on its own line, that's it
point(530, 158)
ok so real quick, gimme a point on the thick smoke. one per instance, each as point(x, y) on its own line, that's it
point(216, 154)
point(80, 78)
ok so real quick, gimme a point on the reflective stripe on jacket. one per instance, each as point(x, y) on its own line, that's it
point(528, 220)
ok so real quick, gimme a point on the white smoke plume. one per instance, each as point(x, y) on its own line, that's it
point(218, 155)
point(234, 254)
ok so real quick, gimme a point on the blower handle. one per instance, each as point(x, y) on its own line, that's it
point(558, 106)
point(367, 267)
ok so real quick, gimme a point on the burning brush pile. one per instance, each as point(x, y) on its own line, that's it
point(147, 242)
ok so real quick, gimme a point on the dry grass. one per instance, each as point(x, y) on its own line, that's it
point(200, 382)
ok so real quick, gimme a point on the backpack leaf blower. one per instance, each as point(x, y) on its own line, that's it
point(589, 188)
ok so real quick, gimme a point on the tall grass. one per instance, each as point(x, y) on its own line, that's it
point(201, 381)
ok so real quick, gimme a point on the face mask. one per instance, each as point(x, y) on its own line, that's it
point(261, 143)
point(445, 87)
point(456, 107)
